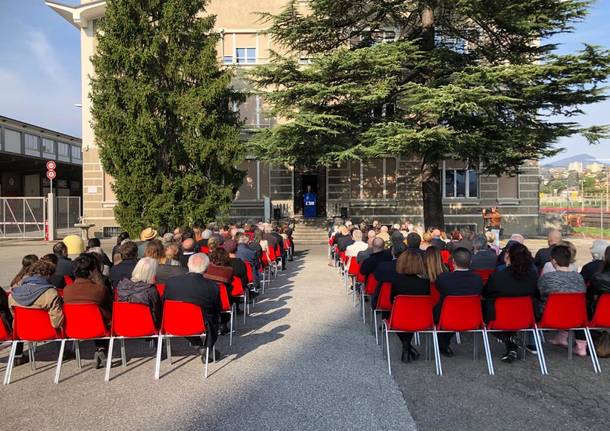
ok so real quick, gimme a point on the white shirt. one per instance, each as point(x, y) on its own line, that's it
point(355, 248)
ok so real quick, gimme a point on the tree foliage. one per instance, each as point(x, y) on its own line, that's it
point(473, 80)
point(163, 116)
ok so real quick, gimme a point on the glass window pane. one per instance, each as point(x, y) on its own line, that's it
point(251, 55)
point(449, 183)
point(227, 59)
point(241, 55)
point(390, 178)
point(355, 179)
point(48, 148)
point(473, 183)
point(76, 154)
point(460, 183)
point(12, 141)
point(63, 151)
point(31, 145)
point(373, 179)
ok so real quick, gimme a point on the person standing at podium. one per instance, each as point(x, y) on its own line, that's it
point(310, 201)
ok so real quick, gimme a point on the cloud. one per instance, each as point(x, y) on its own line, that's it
point(46, 56)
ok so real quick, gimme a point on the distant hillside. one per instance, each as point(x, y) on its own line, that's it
point(585, 159)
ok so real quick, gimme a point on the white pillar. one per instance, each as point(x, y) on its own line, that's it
point(51, 216)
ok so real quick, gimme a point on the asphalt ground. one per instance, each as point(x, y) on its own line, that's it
point(301, 362)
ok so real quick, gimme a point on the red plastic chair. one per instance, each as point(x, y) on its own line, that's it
point(249, 272)
point(238, 291)
point(181, 319)
point(411, 313)
point(68, 280)
point(384, 303)
point(601, 316)
point(30, 325)
point(484, 274)
point(227, 308)
point(82, 322)
point(434, 293)
point(160, 289)
point(129, 320)
point(204, 249)
point(463, 314)
point(370, 284)
point(568, 312)
point(516, 314)
point(5, 333)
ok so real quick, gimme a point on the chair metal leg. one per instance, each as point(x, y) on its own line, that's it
point(538, 339)
point(231, 325)
point(158, 361)
point(168, 349)
point(570, 344)
point(59, 360)
point(592, 352)
point(245, 310)
point(387, 343)
point(416, 339)
point(77, 353)
point(10, 363)
point(362, 302)
point(437, 354)
point(32, 356)
point(540, 354)
point(207, 355)
point(490, 365)
point(109, 360)
point(375, 327)
point(123, 353)
point(458, 339)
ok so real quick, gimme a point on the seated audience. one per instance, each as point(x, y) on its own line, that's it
point(549, 267)
point(357, 246)
point(64, 264)
point(56, 280)
point(377, 256)
point(409, 280)
point(461, 282)
point(123, 236)
point(544, 254)
point(188, 249)
point(195, 289)
point(146, 236)
point(141, 289)
point(519, 278)
point(85, 290)
point(598, 250)
point(94, 243)
point(35, 291)
point(426, 238)
point(414, 243)
point(343, 239)
point(245, 253)
point(600, 282)
point(362, 255)
point(129, 259)
point(491, 242)
point(26, 262)
point(437, 239)
point(383, 233)
point(238, 265)
point(434, 263)
point(483, 257)
point(562, 280)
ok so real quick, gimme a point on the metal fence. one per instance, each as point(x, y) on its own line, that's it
point(22, 217)
point(67, 213)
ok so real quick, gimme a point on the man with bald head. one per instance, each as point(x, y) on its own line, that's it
point(544, 254)
point(362, 255)
point(195, 289)
point(188, 249)
point(377, 256)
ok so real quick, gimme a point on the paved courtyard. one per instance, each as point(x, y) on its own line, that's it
point(305, 361)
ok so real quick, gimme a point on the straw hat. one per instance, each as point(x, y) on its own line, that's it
point(148, 234)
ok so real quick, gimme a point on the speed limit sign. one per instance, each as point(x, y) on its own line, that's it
point(51, 165)
point(51, 175)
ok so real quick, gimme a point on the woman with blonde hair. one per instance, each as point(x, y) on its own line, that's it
point(434, 263)
point(491, 242)
point(141, 289)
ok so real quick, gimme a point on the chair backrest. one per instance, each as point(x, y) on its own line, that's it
point(371, 285)
point(412, 313)
point(204, 249)
point(224, 297)
point(5, 333)
point(271, 254)
point(249, 271)
point(278, 251)
point(461, 313)
point(160, 289)
point(564, 311)
point(601, 317)
point(132, 320)
point(286, 243)
point(354, 267)
point(84, 322)
point(237, 287)
point(383, 302)
point(484, 274)
point(182, 319)
point(68, 280)
point(513, 314)
point(33, 324)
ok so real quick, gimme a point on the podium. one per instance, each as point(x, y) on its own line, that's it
point(310, 201)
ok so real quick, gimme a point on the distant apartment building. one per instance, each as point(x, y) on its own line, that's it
point(387, 189)
point(24, 150)
point(575, 167)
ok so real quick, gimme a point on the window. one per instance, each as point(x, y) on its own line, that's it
point(252, 113)
point(227, 59)
point(459, 181)
point(31, 145)
point(245, 55)
point(63, 151)
point(12, 141)
point(373, 179)
point(48, 148)
point(76, 154)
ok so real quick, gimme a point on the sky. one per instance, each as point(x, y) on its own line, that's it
point(40, 69)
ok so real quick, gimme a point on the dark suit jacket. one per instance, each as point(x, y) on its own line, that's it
point(64, 266)
point(195, 289)
point(505, 284)
point(184, 258)
point(344, 241)
point(271, 239)
point(122, 270)
point(457, 283)
point(385, 272)
point(370, 263)
point(438, 243)
point(168, 271)
point(484, 259)
point(542, 256)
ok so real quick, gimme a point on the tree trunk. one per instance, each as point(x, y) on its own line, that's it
point(432, 196)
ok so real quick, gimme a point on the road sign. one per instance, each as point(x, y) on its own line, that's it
point(51, 165)
point(51, 175)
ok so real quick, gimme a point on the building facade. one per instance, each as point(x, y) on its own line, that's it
point(386, 189)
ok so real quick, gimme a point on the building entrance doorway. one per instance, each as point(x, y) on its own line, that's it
point(316, 179)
